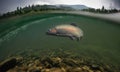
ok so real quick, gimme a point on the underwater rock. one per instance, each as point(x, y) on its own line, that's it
point(45, 70)
point(86, 69)
point(56, 64)
point(31, 64)
point(47, 62)
point(53, 70)
point(51, 62)
point(18, 69)
point(77, 69)
point(34, 69)
point(9, 63)
point(95, 67)
point(56, 70)
point(37, 62)
point(56, 60)
point(71, 62)
point(72, 69)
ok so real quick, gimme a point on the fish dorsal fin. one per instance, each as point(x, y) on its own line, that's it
point(74, 24)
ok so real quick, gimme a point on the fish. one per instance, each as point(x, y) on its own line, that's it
point(67, 30)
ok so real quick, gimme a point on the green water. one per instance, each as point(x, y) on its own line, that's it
point(101, 40)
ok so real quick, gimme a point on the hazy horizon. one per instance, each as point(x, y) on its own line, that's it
point(11, 5)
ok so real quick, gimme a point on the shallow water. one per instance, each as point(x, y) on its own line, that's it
point(101, 40)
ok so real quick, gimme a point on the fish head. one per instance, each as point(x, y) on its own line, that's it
point(52, 31)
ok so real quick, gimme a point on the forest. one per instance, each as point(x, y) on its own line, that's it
point(40, 8)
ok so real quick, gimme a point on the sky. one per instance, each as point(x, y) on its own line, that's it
point(10, 5)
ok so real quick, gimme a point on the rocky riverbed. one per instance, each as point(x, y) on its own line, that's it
point(58, 63)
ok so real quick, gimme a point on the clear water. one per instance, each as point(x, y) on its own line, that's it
point(101, 40)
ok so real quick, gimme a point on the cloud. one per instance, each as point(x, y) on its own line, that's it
point(40, 2)
point(112, 3)
point(115, 3)
point(90, 3)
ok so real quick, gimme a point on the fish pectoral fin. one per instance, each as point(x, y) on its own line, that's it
point(72, 38)
point(59, 34)
point(79, 38)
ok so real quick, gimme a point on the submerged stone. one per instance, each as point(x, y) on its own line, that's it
point(9, 63)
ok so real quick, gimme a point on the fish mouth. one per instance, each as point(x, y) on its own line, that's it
point(49, 33)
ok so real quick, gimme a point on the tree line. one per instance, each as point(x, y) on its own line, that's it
point(38, 8)
point(102, 10)
point(34, 8)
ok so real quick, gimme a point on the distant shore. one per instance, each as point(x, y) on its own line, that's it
point(113, 16)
